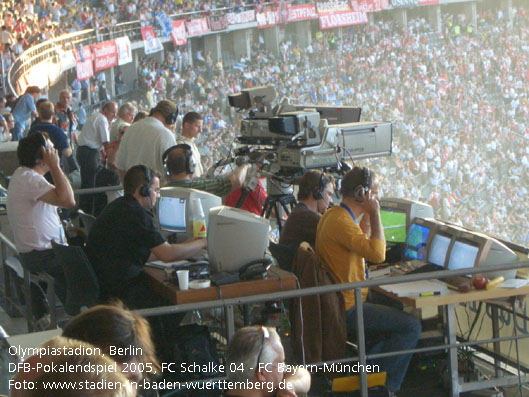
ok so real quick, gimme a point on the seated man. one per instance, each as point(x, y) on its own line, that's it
point(255, 366)
point(32, 212)
point(180, 168)
point(124, 237)
point(343, 245)
point(314, 197)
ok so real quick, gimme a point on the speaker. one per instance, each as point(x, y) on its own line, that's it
point(318, 192)
point(363, 186)
point(145, 189)
point(188, 153)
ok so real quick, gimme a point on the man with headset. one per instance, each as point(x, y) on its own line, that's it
point(180, 167)
point(147, 140)
point(314, 197)
point(344, 243)
point(124, 237)
point(191, 128)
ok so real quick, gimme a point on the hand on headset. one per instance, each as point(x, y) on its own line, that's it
point(50, 157)
point(370, 203)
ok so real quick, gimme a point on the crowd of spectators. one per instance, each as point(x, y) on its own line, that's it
point(458, 102)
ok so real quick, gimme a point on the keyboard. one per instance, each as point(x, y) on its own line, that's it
point(426, 268)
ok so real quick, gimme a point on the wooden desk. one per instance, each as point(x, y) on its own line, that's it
point(450, 300)
point(277, 280)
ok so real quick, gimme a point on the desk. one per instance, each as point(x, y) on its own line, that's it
point(450, 300)
point(277, 280)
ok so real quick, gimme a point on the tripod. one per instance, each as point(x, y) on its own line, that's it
point(276, 202)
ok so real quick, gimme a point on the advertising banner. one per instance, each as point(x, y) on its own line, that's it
point(267, 18)
point(428, 2)
point(301, 12)
point(83, 65)
point(179, 34)
point(342, 18)
point(124, 50)
point(105, 55)
point(151, 43)
point(197, 27)
point(235, 18)
point(369, 5)
point(218, 22)
point(404, 3)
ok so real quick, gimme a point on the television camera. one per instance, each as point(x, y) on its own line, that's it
point(286, 139)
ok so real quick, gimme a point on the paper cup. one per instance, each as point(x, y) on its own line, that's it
point(183, 279)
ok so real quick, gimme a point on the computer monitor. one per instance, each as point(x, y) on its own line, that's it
point(235, 238)
point(397, 215)
point(419, 238)
point(439, 247)
point(175, 210)
point(472, 249)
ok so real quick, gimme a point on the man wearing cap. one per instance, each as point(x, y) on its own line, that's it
point(191, 128)
point(147, 140)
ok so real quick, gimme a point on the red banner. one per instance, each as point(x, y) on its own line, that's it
point(197, 27)
point(179, 34)
point(428, 2)
point(301, 12)
point(342, 18)
point(369, 5)
point(267, 18)
point(84, 64)
point(105, 55)
point(151, 43)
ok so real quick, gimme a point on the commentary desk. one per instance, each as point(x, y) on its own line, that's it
point(450, 300)
point(277, 280)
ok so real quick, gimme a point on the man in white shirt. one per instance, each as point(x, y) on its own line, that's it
point(147, 140)
point(32, 211)
point(191, 128)
point(93, 138)
point(126, 114)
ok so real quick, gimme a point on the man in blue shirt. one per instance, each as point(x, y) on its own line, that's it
point(24, 107)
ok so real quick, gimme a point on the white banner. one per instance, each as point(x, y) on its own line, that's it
point(342, 18)
point(240, 17)
point(124, 50)
point(151, 43)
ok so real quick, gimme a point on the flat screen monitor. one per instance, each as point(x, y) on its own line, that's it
point(417, 242)
point(463, 255)
point(439, 249)
point(394, 223)
point(235, 238)
point(172, 214)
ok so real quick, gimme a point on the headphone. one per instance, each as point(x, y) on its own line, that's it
point(364, 185)
point(42, 142)
point(145, 189)
point(188, 153)
point(170, 119)
point(317, 193)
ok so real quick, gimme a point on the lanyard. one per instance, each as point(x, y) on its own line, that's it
point(354, 219)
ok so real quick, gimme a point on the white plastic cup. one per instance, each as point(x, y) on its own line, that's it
point(183, 279)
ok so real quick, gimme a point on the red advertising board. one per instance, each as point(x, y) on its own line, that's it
point(301, 12)
point(370, 5)
point(84, 64)
point(105, 55)
point(235, 18)
point(342, 18)
point(179, 34)
point(267, 18)
point(197, 27)
point(428, 2)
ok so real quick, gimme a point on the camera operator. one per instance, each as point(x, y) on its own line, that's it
point(180, 168)
point(316, 189)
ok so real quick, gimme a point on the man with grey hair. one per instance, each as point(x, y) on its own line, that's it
point(126, 114)
point(255, 366)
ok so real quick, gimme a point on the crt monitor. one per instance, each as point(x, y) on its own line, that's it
point(397, 215)
point(175, 209)
point(235, 238)
point(439, 247)
point(419, 237)
point(472, 249)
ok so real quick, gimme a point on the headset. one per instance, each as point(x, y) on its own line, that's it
point(145, 189)
point(364, 185)
point(170, 119)
point(42, 142)
point(188, 153)
point(317, 193)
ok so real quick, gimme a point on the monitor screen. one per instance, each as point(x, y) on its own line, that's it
point(172, 214)
point(394, 222)
point(416, 242)
point(438, 249)
point(463, 255)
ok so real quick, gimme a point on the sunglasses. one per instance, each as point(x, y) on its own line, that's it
point(266, 335)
